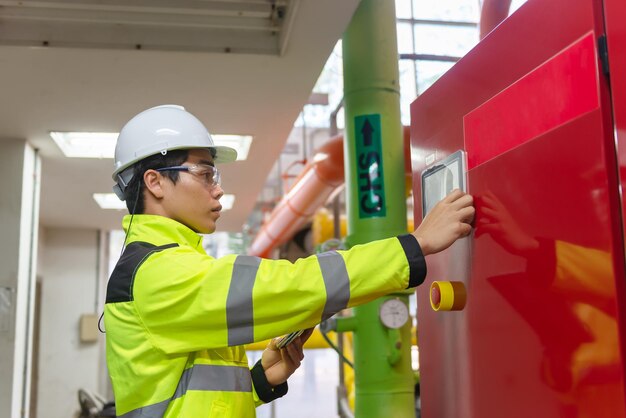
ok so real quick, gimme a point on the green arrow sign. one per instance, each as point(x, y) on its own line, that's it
point(369, 157)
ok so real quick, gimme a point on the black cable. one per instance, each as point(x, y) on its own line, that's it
point(132, 215)
point(99, 321)
point(334, 347)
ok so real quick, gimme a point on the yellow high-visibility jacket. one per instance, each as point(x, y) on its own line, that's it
point(176, 318)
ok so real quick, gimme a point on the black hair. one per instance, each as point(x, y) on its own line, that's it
point(134, 192)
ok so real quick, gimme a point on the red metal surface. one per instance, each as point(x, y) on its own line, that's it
point(615, 16)
point(556, 326)
point(539, 336)
point(558, 91)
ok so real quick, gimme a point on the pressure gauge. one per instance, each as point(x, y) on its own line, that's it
point(393, 313)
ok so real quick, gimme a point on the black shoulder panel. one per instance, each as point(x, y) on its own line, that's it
point(120, 284)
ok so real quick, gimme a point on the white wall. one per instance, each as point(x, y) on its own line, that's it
point(71, 286)
point(19, 216)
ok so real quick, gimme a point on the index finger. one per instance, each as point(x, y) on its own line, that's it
point(453, 195)
point(464, 201)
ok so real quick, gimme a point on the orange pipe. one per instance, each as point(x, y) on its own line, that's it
point(320, 177)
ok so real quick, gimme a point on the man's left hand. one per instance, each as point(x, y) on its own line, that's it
point(279, 364)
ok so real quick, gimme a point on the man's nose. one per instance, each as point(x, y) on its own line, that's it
point(217, 191)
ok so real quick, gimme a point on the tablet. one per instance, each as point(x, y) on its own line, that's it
point(287, 339)
point(441, 178)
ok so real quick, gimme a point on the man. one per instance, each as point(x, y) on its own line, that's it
point(176, 318)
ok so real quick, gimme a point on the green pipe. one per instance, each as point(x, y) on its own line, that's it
point(346, 324)
point(394, 341)
point(376, 205)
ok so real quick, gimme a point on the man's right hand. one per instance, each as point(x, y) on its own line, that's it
point(448, 221)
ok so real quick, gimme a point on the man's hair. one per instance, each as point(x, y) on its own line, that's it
point(134, 192)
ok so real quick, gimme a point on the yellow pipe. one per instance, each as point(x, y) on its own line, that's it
point(316, 341)
point(323, 228)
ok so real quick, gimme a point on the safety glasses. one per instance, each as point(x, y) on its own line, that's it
point(207, 172)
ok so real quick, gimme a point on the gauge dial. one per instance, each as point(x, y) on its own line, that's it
point(393, 313)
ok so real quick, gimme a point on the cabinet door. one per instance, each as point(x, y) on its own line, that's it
point(539, 335)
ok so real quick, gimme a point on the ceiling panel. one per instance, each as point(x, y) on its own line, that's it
point(57, 88)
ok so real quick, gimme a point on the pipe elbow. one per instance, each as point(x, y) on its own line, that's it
point(328, 162)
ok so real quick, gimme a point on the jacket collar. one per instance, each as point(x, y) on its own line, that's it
point(159, 230)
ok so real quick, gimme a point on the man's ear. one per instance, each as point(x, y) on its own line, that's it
point(154, 183)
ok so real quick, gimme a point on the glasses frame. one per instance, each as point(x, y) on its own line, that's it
point(198, 170)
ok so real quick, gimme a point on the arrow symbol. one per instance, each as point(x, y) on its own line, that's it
point(367, 133)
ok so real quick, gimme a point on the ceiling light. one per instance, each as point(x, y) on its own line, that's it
point(86, 144)
point(108, 201)
point(241, 143)
point(111, 201)
point(227, 201)
point(102, 144)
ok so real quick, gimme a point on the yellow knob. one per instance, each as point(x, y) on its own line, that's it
point(447, 296)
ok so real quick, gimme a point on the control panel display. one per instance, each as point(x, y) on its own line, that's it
point(440, 179)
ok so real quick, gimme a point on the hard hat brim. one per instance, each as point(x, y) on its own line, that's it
point(224, 154)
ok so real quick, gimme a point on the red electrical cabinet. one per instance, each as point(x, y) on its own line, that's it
point(540, 113)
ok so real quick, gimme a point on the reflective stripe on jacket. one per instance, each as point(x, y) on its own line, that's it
point(176, 318)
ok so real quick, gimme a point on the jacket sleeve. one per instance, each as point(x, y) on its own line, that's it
point(188, 301)
point(262, 391)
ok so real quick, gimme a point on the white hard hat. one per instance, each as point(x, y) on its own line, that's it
point(159, 130)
